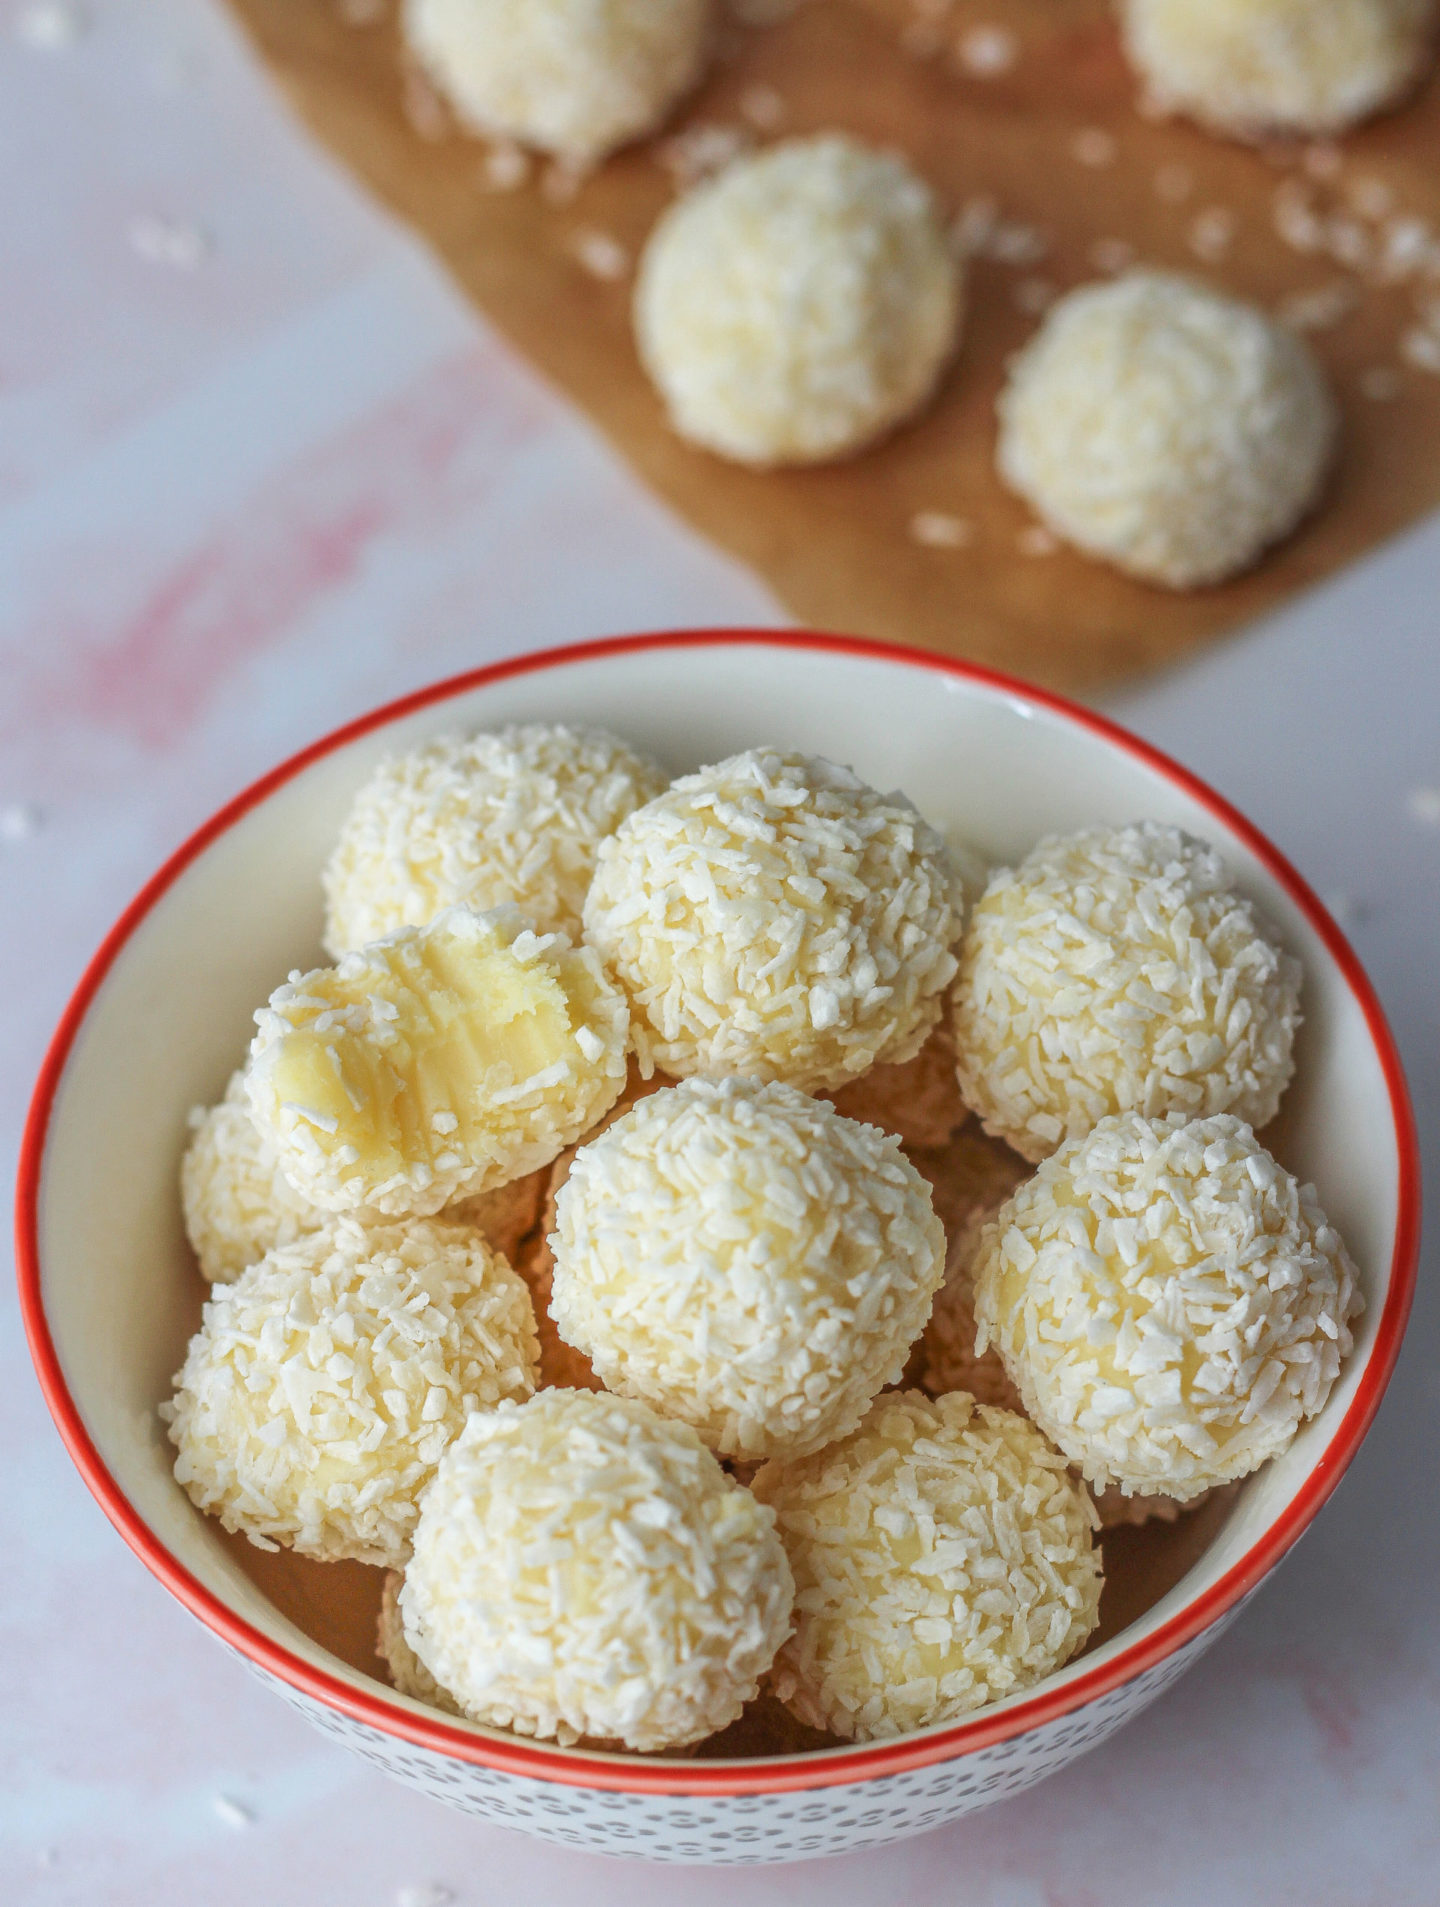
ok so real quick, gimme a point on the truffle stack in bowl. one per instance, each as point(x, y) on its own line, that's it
point(698, 1335)
point(739, 1260)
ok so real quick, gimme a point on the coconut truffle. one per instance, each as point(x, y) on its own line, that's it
point(772, 917)
point(1253, 68)
point(437, 1063)
point(1166, 428)
point(408, 1673)
point(799, 305)
point(324, 1383)
point(747, 1261)
point(943, 1558)
point(510, 817)
point(238, 1203)
point(1115, 969)
point(1170, 1304)
point(584, 1569)
point(573, 77)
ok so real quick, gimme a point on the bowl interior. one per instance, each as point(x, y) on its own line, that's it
point(172, 1016)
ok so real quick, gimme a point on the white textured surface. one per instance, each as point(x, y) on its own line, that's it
point(174, 619)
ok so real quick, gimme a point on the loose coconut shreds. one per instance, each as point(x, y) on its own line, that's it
point(745, 1260)
point(1166, 428)
point(772, 917)
point(436, 1064)
point(1253, 68)
point(238, 1203)
point(800, 304)
point(511, 816)
point(1170, 1303)
point(1115, 969)
point(943, 1558)
point(407, 1671)
point(583, 1569)
point(324, 1384)
point(573, 77)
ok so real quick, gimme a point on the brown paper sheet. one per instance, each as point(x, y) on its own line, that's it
point(834, 543)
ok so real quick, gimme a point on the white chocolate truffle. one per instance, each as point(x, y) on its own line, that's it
point(437, 1063)
point(943, 1558)
point(799, 305)
point(323, 1385)
point(743, 1259)
point(584, 1570)
point(1115, 969)
point(238, 1203)
point(407, 1671)
point(573, 77)
point(511, 817)
point(771, 917)
point(1253, 68)
point(1166, 428)
point(1170, 1304)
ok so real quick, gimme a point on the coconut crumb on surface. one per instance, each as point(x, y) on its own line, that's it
point(1319, 308)
point(50, 26)
point(800, 304)
point(1116, 969)
point(19, 821)
point(324, 1383)
point(177, 243)
point(577, 78)
point(1212, 233)
point(987, 52)
point(1036, 540)
point(585, 1570)
point(601, 254)
point(744, 1259)
point(1423, 805)
point(505, 167)
point(943, 1558)
point(1169, 1302)
point(437, 1063)
point(512, 815)
point(773, 917)
point(1094, 146)
point(939, 530)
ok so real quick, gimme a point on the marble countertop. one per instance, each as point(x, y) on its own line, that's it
point(260, 469)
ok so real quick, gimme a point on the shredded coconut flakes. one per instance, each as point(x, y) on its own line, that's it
point(583, 1569)
point(324, 1384)
point(1170, 1303)
point(773, 917)
point(742, 1258)
point(943, 1558)
point(1116, 969)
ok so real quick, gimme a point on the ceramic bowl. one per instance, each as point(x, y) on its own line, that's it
point(164, 1013)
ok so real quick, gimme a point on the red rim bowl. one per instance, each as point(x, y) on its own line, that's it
point(833, 1767)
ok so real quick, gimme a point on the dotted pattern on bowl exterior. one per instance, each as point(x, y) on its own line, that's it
point(752, 1830)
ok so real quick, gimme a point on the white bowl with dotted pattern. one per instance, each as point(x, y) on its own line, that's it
point(103, 1261)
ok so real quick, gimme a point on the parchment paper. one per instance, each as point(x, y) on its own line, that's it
point(835, 544)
